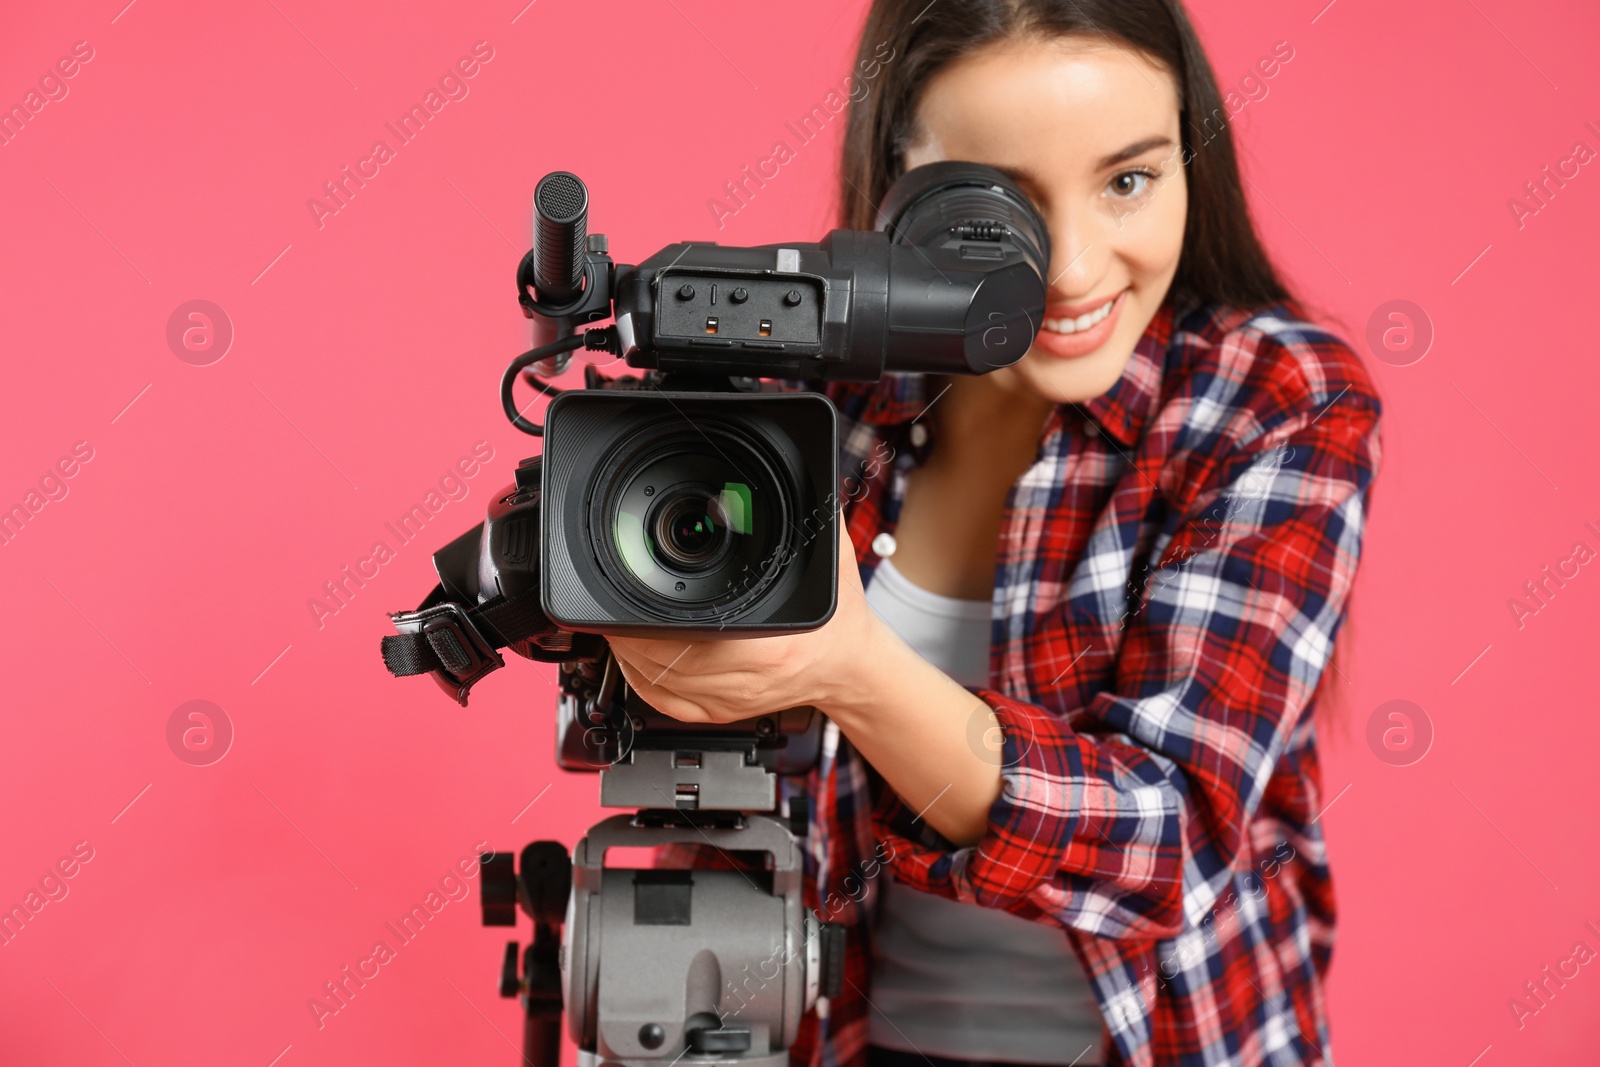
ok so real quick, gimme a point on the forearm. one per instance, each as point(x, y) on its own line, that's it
point(936, 744)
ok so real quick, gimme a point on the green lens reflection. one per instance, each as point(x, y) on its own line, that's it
point(737, 513)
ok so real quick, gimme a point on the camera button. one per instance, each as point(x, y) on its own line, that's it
point(884, 545)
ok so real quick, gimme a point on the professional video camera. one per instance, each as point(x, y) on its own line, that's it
point(695, 501)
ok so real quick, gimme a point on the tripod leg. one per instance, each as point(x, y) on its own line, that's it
point(541, 998)
point(541, 1040)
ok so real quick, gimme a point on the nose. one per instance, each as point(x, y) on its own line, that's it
point(1078, 253)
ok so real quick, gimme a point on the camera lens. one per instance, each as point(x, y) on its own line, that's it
point(696, 521)
point(692, 529)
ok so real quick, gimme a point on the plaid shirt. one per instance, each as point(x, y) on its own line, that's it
point(1172, 572)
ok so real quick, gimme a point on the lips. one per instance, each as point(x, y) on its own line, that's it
point(1091, 324)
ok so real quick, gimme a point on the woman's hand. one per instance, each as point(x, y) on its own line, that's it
point(731, 678)
point(935, 743)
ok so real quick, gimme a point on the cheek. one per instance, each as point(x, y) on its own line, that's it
point(1151, 241)
point(1144, 254)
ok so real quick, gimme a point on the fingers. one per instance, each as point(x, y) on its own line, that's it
point(693, 697)
point(653, 657)
point(682, 694)
point(639, 670)
point(849, 568)
point(662, 700)
point(847, 547)
point(663, 650)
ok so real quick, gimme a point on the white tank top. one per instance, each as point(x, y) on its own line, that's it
point(962, 980)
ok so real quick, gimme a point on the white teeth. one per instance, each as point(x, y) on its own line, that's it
point(1082, 322)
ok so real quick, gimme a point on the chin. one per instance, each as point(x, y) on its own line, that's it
point(1072, 381)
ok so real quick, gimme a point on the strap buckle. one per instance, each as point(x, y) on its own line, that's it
point(464, 654)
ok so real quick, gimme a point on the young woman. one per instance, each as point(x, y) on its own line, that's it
point(1069, 801)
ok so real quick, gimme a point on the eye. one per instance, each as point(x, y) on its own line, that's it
point(1131, 184)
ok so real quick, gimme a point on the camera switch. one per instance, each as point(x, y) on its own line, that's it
point(711, 324)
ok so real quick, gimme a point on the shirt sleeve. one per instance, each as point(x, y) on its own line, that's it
point(1117, 828)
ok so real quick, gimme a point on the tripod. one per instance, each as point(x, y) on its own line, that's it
point(652, 965)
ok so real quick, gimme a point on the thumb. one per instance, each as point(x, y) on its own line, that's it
point(849, 568)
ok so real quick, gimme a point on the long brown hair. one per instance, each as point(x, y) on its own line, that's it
point(905, 43)
point(1222, 260)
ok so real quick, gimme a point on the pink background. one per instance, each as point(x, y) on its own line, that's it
point(179, 565)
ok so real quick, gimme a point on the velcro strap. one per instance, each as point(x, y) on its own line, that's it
point(407, 654)
point(452, 655)
point(458, 644)
point(511, 620)
point(440, 642)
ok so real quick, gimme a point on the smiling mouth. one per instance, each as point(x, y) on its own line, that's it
point(1082, 322)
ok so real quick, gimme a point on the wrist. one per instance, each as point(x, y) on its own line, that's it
point(866, 653)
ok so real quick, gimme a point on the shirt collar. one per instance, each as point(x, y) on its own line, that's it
point(1123, 410)
point(1120, 411)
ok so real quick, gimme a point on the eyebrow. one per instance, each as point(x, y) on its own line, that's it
point(1138, 148)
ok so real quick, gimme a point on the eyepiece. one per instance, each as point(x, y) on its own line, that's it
point(951, 220)
point(931, 205)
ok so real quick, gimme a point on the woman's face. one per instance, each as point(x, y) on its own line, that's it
point(1090, 132)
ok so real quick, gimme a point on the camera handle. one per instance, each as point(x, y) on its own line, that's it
point(487, 599)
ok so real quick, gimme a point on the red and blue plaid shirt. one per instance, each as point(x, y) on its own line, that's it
point(1172, 572)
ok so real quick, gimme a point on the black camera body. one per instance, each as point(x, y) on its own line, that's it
point(691, 500)
point(715, 515)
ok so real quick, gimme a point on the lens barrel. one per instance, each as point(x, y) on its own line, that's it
point(694, 520)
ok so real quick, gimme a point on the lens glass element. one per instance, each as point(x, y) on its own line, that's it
point(696, 528)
